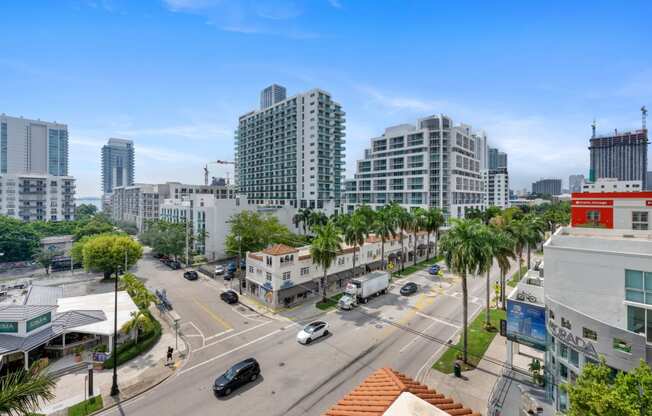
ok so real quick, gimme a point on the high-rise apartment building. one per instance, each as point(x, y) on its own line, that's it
point(37, 197)
point(547, 187)
point(497, 159)
point(430, 164)
point(33, 146)
point(648, 181)
point(620, 155)
point(272, 95)
point(117, 164)
point(291, 153)
point(575, 183)
point(496, 179)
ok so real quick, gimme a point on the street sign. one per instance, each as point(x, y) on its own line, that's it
point(39, 321)
point(503, 327)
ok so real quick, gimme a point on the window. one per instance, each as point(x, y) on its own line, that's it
point(574, 358)
point(621, 345)
point(286, 275)
point(551, 344)
point(340, 261)
point(589, 334)
point(639, 220)
point(593, 216)
point(551, 314)
point(269, 260)
point(563, 371)
point(636, 319)
point(251, 269)
point(268, 276)
point(305, 271)
point(563, 351)
point(565, 323)
point(638, 286)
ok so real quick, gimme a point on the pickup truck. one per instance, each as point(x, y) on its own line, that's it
point(360, 289)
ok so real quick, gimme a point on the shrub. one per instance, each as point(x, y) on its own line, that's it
point(86, 407)
point(132, 349)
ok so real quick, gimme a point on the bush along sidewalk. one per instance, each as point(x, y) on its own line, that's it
point(86, 407)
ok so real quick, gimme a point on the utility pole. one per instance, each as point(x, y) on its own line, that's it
point(187, 238)
point(114, 387)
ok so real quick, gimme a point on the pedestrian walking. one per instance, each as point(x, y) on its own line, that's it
point(169, 356)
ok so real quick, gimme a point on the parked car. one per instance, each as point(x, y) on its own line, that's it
point(231, 267)
point(243, 264)
point(239, 374)
point(219, 269)
point(228, 275)
point(191, 275)
point(409, 288)
point(174, 264)
point(229, 297)
point(434, 269)
point(312, 331)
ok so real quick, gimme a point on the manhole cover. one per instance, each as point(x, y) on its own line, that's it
point(281, 364)
point(246, 322)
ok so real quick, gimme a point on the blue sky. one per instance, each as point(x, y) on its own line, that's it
point(174, 75)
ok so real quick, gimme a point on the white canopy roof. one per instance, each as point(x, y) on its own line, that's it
point(103, 302)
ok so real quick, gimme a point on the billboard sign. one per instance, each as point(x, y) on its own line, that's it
point(8, 327)
point(39, 321)
point(526, 324)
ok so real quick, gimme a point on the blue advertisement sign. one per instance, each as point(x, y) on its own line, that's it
point(526, 324)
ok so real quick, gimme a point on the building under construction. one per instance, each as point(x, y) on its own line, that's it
point(621, 155)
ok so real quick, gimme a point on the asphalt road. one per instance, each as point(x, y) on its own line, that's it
point(405, 333)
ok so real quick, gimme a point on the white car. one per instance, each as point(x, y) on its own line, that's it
point(219, 269)
point(312, 331)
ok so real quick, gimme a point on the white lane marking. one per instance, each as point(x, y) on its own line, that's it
point(219, 334)
point(418, 337)
point(231, 336)
point(441, 321)
point(224, 354)
point(429, 360)
point(201, 334)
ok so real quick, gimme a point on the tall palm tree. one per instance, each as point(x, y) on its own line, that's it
point(403, 220)
point(434, 220)
point(417, 224)
point(503, 252)
point(140, 320)
point(317, 218)
point(302, 218)
point(355, 233)
point(367, 213)
point(462, 247)
point(535, 227)
point(498, 246)
point(22, 391)
point(324, 249)
point(518, 230)
point(384, 227)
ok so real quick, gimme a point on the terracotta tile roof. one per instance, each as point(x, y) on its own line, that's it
point(280, 250)
point(377, 393)
point(304, 256)
point(255, 257)
point(375, 239)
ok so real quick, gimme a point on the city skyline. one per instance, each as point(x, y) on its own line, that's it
point(138, 84)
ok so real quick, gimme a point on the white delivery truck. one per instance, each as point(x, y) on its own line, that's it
point(360, 289)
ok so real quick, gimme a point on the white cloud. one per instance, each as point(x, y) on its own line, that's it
point(196, 131)
point(400, 102)
point(335, 3)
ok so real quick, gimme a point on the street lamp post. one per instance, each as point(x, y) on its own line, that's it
point(239, 261)
point(114, 387)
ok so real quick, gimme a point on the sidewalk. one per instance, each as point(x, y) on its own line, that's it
point(134, 377)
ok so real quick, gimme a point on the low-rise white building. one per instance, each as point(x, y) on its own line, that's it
point(37, 197)
point(281, 275)
point(209, 218)
point(612, 185)
point(598, 297)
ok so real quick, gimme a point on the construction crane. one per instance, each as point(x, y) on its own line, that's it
point(644, 117)
point(218, 162)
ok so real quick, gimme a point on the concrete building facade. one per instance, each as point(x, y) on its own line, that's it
point(428, 164)
point(33, 147)
point(621, 155)
point(291, 153)
point(547, 187)
point(42, 197)
point(612, 185)
point(575, 183)
point(117, 164)
point(272, 95)
point(618, 210)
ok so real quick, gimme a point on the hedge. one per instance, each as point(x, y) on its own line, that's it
point(132, 349)
point(86, 407)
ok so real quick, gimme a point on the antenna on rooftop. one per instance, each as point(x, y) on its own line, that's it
point(644, 117)
point(593, 126)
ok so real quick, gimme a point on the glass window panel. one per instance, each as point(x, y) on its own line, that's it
point(648, 298)
point(649, 325)
point(636, 319)
point(574, 357)
point(634, 279)
point(563, 351)
point(634, 295)
point(648, 281)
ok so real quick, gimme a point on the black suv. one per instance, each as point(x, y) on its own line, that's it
point(229, 297)
point(239, 374)
point(191, 275)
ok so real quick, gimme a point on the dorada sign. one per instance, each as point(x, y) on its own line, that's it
point(578, 342)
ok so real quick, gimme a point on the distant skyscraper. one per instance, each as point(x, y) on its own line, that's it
point(547, 186)
point(575, 183)
point(621, 155)
point(33, 146)
point(117, 164)
point(649, 181)
point(272, 95)
point(496, 179)
point(497, 159)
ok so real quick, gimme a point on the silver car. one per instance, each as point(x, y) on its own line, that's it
point(219, 269)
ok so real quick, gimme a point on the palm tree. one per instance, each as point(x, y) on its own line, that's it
point(500, 247)
point(403, 220)
point(384, 227)
point(517, 229)
point(417, 223)
point(355, 233)
point(462, 247)
point(22, 391)
point(434, 220)
point(325, 248)
point(301, 218)
point(535, 233)
point(317, 218)
point(367, 213)
point(140, 320)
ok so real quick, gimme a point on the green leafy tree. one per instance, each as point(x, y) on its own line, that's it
point(18, 241)
point(384, 227)
point(433, 221)
point(497, 246)
point(417, 223)
point(402, 220)
point(355, 233)
point(317, 218)
point(45, 258)
point(85, 211)
point(165, 237)
point(597, 392)
point(367, 213)
point(93, 227)
point(252, 231)
point(22, 391)
point(108, 253)
point(324, 250)
point(141, 321)
point(462, 248)
point(535, 229)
